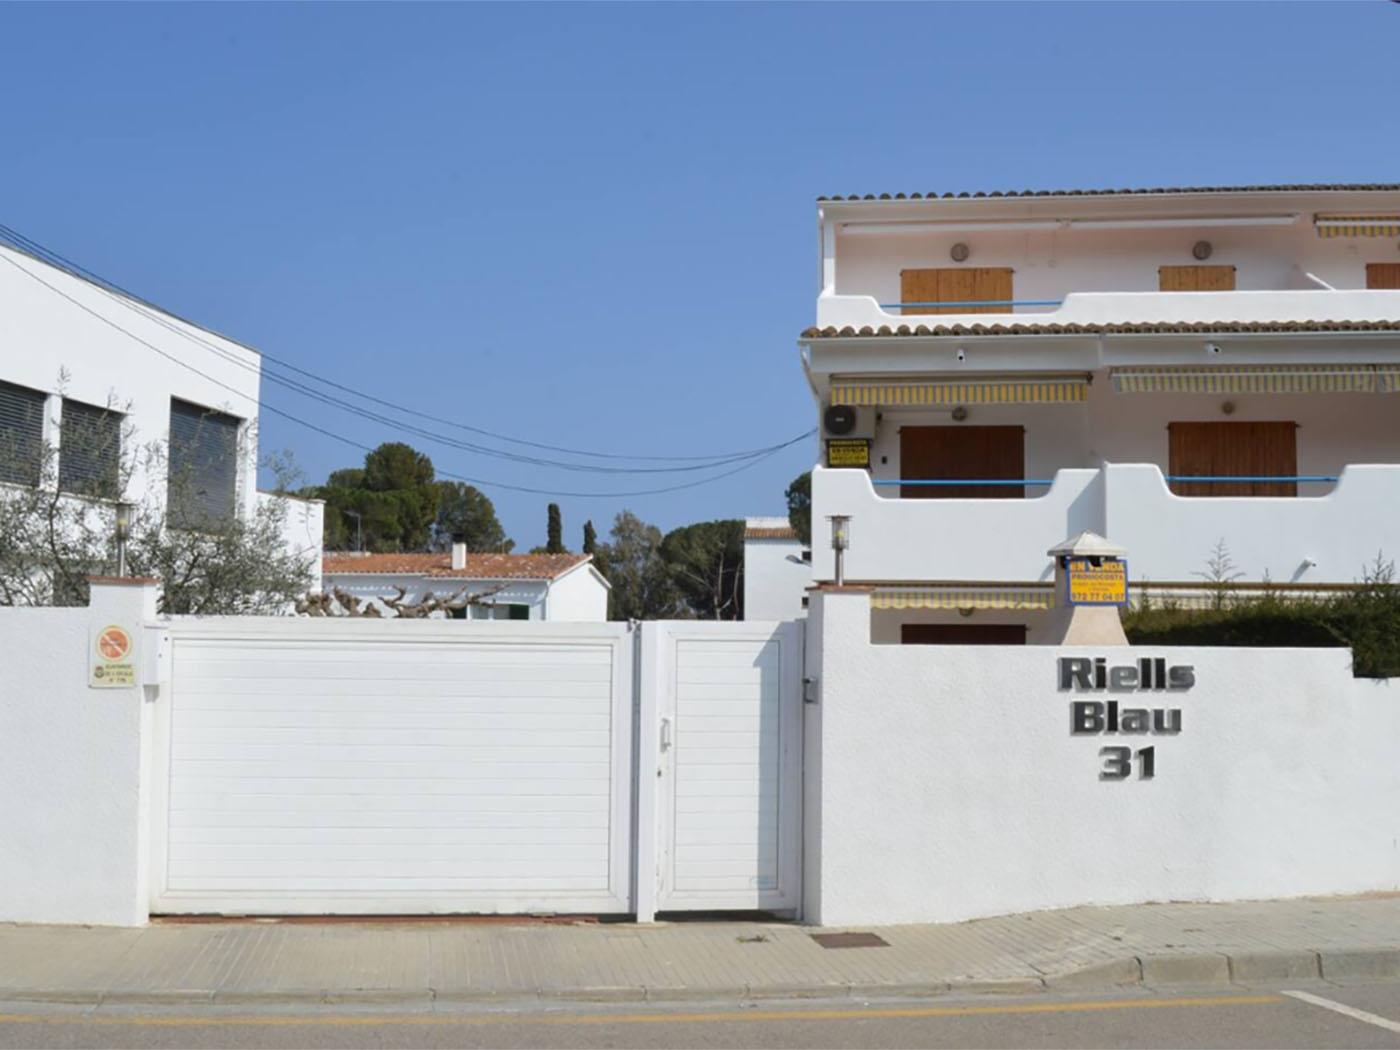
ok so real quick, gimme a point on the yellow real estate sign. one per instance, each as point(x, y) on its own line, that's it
point(1103, 584)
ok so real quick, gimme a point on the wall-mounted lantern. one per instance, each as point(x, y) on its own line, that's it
point(840, 541)
point(123, 532)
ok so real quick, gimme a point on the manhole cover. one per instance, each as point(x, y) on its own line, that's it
point(850, 940)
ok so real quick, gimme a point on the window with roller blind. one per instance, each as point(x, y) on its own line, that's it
point(89, 450)
point(203, 484)
point(1196, 278)
point(21, 434)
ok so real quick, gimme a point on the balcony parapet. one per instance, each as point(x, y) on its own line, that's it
point(1326, 539)
point(1137, 308)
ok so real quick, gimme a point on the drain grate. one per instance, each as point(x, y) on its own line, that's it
point(850, 940)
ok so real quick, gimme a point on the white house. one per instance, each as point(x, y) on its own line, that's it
point(1189, 372)
point(561, 587)
point(76, 354)
point(777, 570)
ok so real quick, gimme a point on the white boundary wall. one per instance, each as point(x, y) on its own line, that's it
point(943, 783)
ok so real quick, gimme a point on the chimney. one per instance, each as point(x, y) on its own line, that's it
point(459, 550)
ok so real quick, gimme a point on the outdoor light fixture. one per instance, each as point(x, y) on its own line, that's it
point(123, 534)
point(840, 540)
point(1202, 250)
point(960, 252)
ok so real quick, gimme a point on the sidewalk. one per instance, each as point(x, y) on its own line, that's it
point(249, 962)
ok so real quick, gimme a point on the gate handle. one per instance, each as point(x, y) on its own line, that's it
point(665, 734)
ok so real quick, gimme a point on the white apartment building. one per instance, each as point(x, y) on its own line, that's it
point(1185, 371)
point(75, 354)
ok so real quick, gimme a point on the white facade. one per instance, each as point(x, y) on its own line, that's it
point(1308, 336)
point(559, 588)
point(68, 338)
point(777, 570)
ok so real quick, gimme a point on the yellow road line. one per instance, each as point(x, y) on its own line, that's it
point(356, 1020)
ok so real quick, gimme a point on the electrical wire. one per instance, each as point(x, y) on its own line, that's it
point(368, 448)
point(141, 306)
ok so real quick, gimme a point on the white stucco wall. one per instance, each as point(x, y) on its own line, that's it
point(74, 769)
point(944, 783)
point(776, 578)
point(579, 596)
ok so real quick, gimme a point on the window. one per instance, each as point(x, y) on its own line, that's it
point(517, 612)
point(21, 434)
point(1233, 450)
point(203, 484)
point(970, 284)
point(89, 450)
point(1196, 278)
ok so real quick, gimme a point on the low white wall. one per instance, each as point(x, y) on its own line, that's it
point(949, 539)
point(74, 768)
point(944, 782)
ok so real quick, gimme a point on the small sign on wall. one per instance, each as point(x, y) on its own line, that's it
point(1102, 584)
point(848, 452)
point(112, 658)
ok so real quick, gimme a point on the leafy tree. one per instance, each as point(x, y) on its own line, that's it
point(799, 503)
point(590, 538)
point(706, 563)
point(466, 510)
point(642, 588)
point(51, 541)
point(394, 495)
point(554, 536)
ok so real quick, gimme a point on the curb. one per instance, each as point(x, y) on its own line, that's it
point(1199, 969)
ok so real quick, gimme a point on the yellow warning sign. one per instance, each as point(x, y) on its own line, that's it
point(1103, 584)
point(848, 452)
point(112, 658)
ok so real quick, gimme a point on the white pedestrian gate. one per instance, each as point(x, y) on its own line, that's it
point(309, 766)
point(725, 703)
point(360, 766)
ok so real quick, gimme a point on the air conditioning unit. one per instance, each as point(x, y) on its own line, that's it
point(847, 421)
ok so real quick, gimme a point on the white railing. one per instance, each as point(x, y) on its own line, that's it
point(1314, 304)
point(1168, 538)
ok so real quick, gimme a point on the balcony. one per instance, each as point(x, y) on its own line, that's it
point(1325, 539)
point(1121, 308)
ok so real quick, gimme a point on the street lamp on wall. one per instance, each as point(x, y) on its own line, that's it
point(840, 541)
point(123, 534)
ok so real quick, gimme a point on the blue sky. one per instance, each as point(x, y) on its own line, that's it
point(594, 226)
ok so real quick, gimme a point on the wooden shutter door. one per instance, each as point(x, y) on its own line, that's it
point(967, 284)
point(983, 453)
point(1383, 275)
point(1266, 449)
point(1196, 278)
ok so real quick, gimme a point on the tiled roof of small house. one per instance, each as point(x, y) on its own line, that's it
point(1135, 328)
point(1328, 187)
point(438, 565)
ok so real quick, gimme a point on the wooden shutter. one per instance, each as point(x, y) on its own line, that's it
point(89, 450)
point(1383, 275)
point(964, 284)
point(1196, 278)
point(984, 453)
point(203, 482)
point(21, 434)
point(962, 634)
point(1268, 449)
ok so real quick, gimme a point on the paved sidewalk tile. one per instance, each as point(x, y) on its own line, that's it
point(447, 961)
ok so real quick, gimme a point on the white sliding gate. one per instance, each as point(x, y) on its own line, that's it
point(360, 766)
point(308, 766)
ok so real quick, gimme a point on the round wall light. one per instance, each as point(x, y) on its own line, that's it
point(960, 252)
point(1202, 250)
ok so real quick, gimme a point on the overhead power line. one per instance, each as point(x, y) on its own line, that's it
point(151, 312)
point(351, 442)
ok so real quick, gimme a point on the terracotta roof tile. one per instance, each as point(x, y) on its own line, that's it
point(479, 566)
point(1140, 328)
point(761, 533)
point(1339, 187)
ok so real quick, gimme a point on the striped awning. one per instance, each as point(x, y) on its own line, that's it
point(1357, 225)
point(953, 596)
point(1259, 379)
point(992, 391)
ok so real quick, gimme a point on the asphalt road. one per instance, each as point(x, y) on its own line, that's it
point(1351, 1016)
